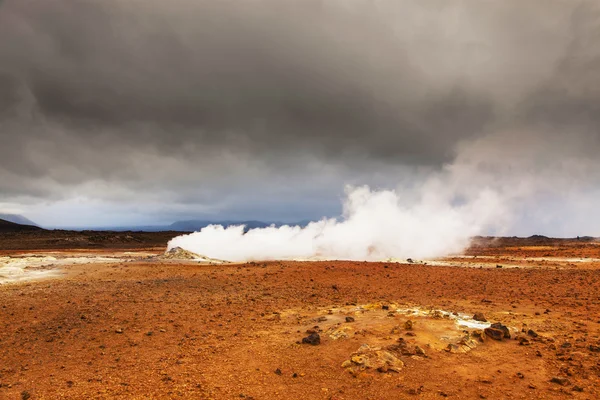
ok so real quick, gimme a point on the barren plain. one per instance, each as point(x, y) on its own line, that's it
point(114, 318)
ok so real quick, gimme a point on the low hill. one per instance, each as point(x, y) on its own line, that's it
point(17, 219)
point(7, 226)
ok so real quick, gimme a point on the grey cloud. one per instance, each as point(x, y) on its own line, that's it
point(220, 94)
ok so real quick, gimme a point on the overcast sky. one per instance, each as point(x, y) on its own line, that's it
point(120, 112)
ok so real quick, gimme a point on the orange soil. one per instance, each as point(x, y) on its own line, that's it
point(167, 329)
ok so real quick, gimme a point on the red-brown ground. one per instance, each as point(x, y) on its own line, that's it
point(152, 328)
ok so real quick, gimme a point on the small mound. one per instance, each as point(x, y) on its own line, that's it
point(177, 253)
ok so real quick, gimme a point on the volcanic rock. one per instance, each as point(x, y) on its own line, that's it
point(479, 317)
point(532, 333)
point(494, 333)
point(560, 380)
point(312, 339)
point(504, 329)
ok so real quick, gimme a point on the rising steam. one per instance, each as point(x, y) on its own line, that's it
point(376, 225)
point(476, 194)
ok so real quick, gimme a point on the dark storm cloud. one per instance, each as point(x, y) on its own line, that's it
point(164, 95)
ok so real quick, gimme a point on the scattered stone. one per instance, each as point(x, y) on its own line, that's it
point(419, 351)
point(520, 375)
point(408, 325)
point(560, 380)
point(494, 333)
point(452, 348)
point(409, 333)
point(409, 260)
point(340, 333)
point(503, 328)
point(349, 319)
point(25, 395)
point(373, 358)
point(119, 330)
point(479, 317)
point(479, 335)
point(532, 333)
point(523, 341)
point(577, 388)
point(278, 372)
point(593, 348)
point(385, 307)
point(415, 391)
point(499, 266)
point(312, 339)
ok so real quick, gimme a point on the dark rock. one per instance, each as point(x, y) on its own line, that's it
point(479, 317)
point(560, 380)
point(524, 341)
point(595, 349)
point(577, 388)
point(312, 339)
point(25, 395)
point(384, 307)
point(278, 372)
point(532, 333)
point(349, 319)
point(504, 329)
point(494, 333)
point(498, 266)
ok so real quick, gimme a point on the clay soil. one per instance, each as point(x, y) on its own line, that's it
point(153, 328)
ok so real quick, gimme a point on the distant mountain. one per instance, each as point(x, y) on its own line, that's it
point(7, 226)
point(17, 219)
point(196, 225)
point(181, 226)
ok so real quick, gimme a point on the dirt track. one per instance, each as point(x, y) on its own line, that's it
point(150, 328)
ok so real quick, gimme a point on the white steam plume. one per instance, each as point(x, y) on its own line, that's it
point(376, 225)
point(495, 182)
